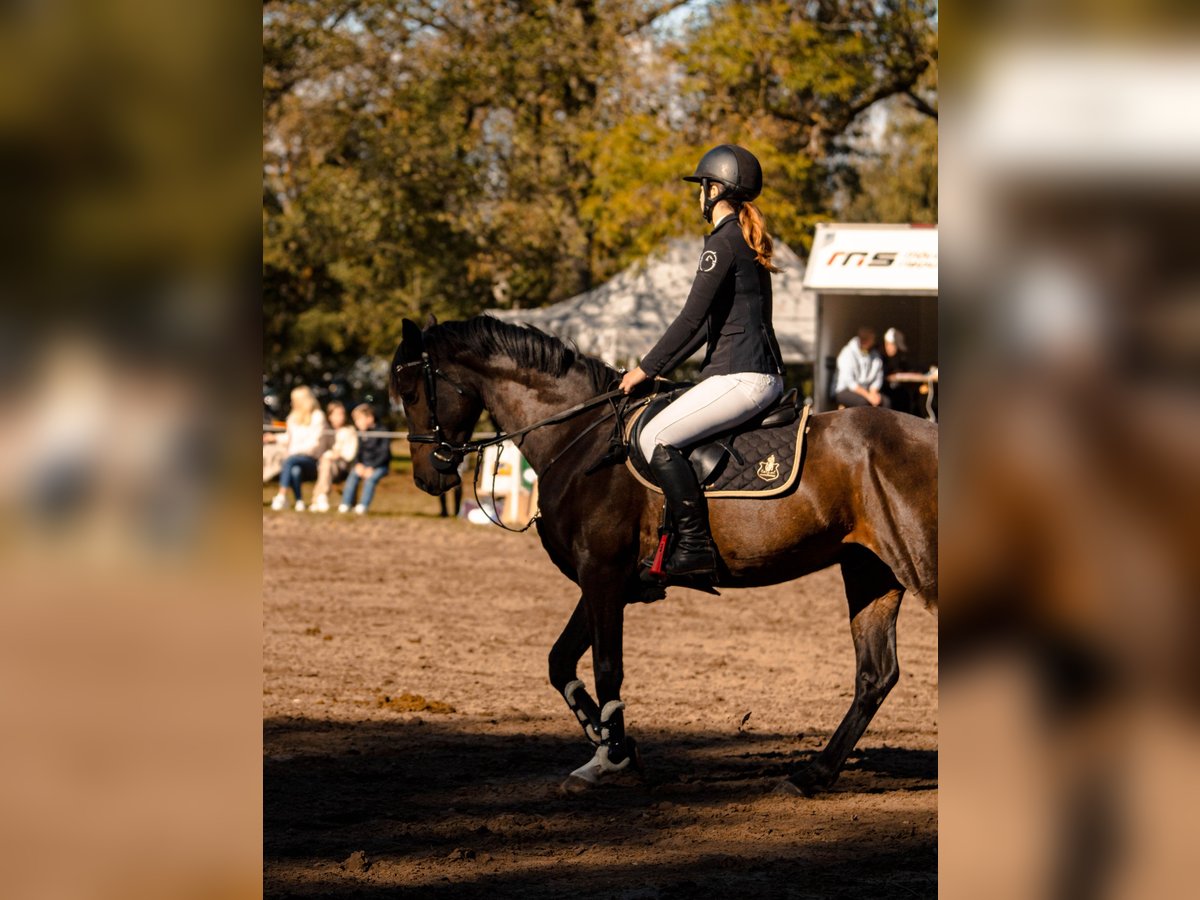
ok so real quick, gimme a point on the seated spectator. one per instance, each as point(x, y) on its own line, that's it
point(372, 462)
point(273, 451)
point(306, 440)
point(860, 372)
point(335, 462)
point(274, 454)
point(900, 396)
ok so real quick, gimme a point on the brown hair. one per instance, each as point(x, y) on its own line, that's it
point(754, 230)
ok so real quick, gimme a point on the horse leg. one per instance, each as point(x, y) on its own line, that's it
point(615, 753)
point(564, 659)
point(874, 600)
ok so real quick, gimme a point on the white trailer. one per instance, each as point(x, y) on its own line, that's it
point(884, 276)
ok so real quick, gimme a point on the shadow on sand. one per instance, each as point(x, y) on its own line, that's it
point(465, 807)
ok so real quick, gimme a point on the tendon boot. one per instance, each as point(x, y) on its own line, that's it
point(693, 557)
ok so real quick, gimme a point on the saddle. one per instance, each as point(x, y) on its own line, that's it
point(759, 458)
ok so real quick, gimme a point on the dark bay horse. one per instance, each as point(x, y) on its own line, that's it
point(867, 500)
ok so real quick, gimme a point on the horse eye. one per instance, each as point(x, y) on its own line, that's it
point(409, 398)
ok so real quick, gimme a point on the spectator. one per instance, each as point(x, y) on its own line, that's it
point(274, 454)
point(306, 440)
point(372, 463)
point(335, 462)
point(895, 361)
point(860, 372)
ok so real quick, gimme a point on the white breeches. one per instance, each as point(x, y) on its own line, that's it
point(716, 404)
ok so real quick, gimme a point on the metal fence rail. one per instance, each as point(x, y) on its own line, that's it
point(395, 435)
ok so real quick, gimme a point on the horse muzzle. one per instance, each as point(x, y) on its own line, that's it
point(438, 486)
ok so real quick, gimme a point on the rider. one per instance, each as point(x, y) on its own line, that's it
point(729, 306)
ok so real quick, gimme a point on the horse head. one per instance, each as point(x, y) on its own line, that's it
point(440, 409)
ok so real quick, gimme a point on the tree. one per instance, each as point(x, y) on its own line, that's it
point(896, 179)
point(446, 156)
point(793, 82)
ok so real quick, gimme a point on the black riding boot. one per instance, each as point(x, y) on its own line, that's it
point(693, 555)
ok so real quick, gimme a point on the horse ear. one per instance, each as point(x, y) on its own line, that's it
point(411, 339)
point(431, 321)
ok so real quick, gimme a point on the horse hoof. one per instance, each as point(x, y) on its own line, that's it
point(805, 783)
point(787, 788)
point(575, 785)
point(791, 789)
point(598, 771)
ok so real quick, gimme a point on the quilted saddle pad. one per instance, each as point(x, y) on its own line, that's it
point(770, 460)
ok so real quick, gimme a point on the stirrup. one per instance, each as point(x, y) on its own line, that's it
point(705, 582)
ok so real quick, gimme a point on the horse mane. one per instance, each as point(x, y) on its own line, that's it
point(525, 345)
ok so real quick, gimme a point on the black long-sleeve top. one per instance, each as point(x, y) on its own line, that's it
point(729, 306)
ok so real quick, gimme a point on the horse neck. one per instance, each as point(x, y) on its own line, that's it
point(518, 398)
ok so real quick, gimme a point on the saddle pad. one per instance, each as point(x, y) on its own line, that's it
point(772, 460)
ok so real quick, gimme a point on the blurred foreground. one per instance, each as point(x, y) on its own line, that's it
point(1070, 484)
point(130, 636)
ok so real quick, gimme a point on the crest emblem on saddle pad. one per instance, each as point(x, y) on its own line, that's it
point(768, 469)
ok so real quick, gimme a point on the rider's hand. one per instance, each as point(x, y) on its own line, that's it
point(632, 379)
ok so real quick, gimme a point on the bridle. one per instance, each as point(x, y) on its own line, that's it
point(447, 456)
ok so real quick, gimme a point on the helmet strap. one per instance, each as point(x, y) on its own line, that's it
point(710, 203)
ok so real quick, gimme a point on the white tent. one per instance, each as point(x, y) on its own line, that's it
point(620, 320)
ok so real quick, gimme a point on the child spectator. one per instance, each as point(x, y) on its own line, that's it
point(306, 440)
point(372, 463)
point(335, 462)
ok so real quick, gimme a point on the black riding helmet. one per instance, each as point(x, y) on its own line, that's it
point(733, 167)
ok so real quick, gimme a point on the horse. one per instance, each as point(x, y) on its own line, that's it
point(866, 501)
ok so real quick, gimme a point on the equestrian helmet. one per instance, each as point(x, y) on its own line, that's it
point(733, 166)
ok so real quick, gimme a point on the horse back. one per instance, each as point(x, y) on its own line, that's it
point(868, 477)
point(891, 468)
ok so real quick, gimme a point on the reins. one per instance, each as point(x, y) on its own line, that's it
point(561, 453)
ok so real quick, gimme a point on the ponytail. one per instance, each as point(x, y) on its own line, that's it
point(754, 230)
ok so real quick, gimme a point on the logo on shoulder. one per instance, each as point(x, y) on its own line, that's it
point(708, 261)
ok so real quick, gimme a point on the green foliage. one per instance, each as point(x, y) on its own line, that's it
point(897, 182)
point(445, 156)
